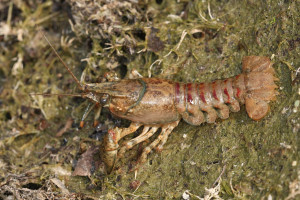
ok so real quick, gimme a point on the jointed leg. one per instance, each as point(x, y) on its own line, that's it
point(111, 145)
point(132, 128)
point(149, 148)
point(142, 137)
point(87, 111)
point(166, 135)
point(97, 115)
point(161, 139)
point(115, 135)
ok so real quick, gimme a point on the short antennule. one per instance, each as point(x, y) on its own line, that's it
point(61, 60)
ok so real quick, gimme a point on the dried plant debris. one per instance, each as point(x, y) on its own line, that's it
point(87, 164)
point(190, 41)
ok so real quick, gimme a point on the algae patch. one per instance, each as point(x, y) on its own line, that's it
point(180, 40)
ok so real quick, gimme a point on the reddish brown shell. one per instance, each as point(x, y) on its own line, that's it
point(260, 86)
point(203, 102)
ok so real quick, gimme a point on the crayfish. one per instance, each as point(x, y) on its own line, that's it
point(158, 103)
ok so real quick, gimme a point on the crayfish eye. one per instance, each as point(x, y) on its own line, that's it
point(104, 99)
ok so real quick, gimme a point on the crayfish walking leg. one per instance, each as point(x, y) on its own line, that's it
point(159, 141)
point(111, 145)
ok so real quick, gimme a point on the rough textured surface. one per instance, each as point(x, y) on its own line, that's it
point(179, 40)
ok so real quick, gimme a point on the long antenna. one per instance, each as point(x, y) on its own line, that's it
point(61, 60)
point(47, 94)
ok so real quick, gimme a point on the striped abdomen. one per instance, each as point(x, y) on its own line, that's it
point(203, 102)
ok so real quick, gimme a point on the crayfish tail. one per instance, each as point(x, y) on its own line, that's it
point(259, 84)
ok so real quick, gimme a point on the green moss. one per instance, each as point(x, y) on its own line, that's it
point(189, 41)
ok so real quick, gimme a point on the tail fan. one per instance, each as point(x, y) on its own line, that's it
point(260, 86)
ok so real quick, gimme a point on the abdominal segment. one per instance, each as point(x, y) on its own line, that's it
point(204, 102)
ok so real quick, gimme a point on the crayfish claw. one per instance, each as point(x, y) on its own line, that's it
point(110, 159)
point(110, 152)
